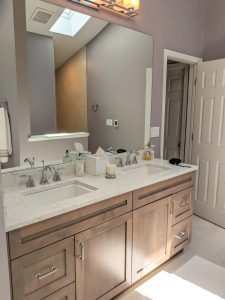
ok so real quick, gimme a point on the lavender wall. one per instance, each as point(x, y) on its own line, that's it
point(175, 25)
point(214, 43)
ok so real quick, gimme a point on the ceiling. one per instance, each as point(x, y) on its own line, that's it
point(65, 46)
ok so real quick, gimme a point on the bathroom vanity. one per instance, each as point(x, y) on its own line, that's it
point(96, 244)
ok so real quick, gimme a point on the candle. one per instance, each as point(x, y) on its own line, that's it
point(111, 170)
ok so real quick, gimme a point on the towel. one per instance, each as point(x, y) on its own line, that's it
point(5, 136)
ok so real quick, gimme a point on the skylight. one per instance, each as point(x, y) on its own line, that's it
point(69, 23)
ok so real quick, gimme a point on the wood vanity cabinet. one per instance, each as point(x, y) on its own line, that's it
point(151, 237)
point(98, 251)
point(103, 259)
point(162, 219)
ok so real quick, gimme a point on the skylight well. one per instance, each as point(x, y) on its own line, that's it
point(69, 23)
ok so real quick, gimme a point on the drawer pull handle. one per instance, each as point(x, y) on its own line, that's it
point(184, 204)
point(42, 276)
point(181, 235)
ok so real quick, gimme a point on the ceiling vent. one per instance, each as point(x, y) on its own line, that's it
point(41, 15)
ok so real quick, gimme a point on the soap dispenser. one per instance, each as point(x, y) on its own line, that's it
point(66, 157)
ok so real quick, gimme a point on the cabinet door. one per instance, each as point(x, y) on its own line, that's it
point(151, 237)
point(103, 259)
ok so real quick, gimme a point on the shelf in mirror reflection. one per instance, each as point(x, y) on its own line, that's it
point(57, 136)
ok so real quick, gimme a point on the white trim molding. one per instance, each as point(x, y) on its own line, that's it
point(177, 57)
point(148, 105)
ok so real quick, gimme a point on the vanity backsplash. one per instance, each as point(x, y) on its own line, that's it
point(18, 178)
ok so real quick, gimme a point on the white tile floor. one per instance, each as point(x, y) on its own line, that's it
point(196, 274)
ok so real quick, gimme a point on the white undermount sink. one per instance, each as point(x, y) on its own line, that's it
point(59, 192)
point(145, 169)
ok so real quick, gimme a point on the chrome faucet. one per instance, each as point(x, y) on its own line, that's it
point(130, 160)
point(30, 161)
point(44, 175)
point(30, 182)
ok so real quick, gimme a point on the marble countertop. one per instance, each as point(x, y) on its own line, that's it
point(20, 211)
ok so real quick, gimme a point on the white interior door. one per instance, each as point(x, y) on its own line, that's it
point(209, 141)
point(176, 111)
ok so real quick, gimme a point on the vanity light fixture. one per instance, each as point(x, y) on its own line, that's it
point(88, 3)
point(124, 7)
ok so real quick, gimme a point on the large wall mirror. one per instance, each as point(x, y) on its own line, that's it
point(87, 75)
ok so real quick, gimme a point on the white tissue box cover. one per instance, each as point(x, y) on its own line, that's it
point(96, 165)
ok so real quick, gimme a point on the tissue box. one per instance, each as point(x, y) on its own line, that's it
point(96, 165)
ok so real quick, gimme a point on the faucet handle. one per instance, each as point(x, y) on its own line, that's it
point(134, 160)
point(120, 162)
point(56, 176)
point(30, 182)
point(128, 160)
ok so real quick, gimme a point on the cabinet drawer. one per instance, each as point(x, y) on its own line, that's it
point(182, 205)
point(181, 235)
point(67, 293)
point(41, 273)
point(36, 236)
point(162, 190)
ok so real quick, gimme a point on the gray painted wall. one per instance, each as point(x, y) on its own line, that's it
point(117, 60)
point(214, 43)
point(8, 73)
point(41, 83)
point(4, 268)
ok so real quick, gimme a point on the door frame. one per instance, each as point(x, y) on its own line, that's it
point(192, 61)
point(179, 66)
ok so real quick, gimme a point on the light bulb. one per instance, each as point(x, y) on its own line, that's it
point(132, 4)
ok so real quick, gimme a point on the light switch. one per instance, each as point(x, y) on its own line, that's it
point(155, 132)
point(109, 122)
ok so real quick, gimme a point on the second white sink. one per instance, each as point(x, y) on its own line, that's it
point(145, 169)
